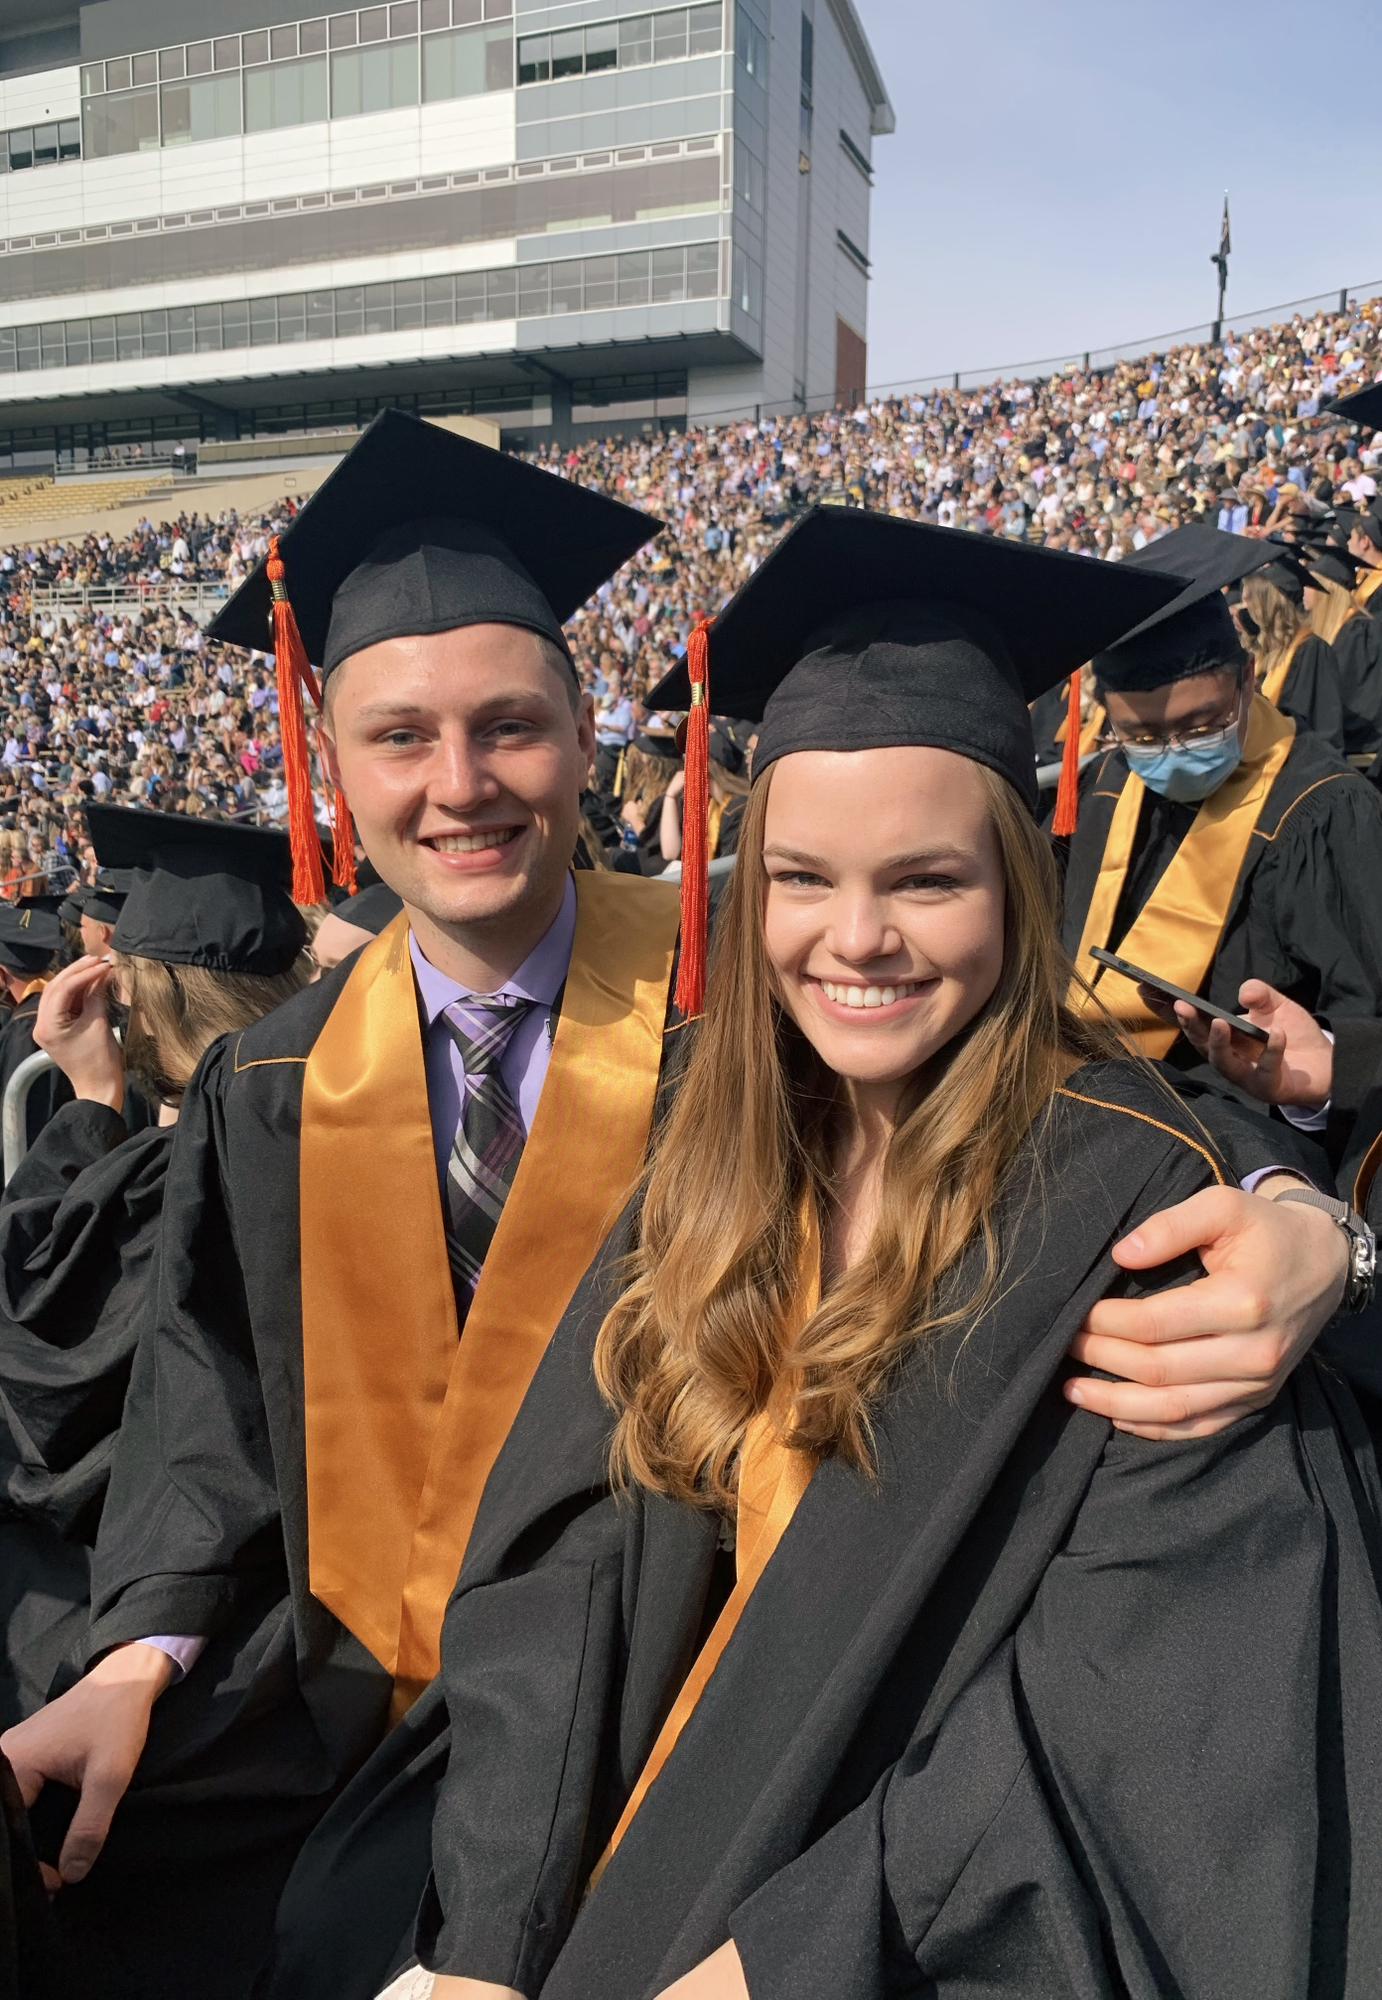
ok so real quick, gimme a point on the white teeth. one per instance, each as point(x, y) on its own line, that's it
point(474, 843)
point(867, 996)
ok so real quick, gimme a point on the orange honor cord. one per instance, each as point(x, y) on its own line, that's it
point(1067, 812)
point(695, 831)
point(293, 671)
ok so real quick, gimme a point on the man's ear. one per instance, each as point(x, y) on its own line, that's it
point(585, 728)
point(326, 750)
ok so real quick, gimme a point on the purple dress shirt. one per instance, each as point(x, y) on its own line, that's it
point(523, 1067)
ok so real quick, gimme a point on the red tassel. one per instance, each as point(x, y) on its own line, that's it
point(1067, 813)
point(342, 844)
point(290, 658)
point(695, 831)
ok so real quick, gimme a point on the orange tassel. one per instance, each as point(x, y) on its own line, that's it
point(695, 841)
point(342, 844)
point(1067, 813)
point(290, 658)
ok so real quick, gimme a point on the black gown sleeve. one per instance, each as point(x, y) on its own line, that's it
point(1325, 947)
point(50, 1091)
point(78, 1224)
point(1358, 650)
point(191, 1525)
point(1313, 694)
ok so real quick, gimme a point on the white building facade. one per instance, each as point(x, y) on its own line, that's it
point(230, 218)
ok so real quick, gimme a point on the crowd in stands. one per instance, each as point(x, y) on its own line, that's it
point(132, 705)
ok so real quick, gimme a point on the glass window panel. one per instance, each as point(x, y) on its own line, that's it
point(321, 315)
point(668, 276)
point(7, 350)
point(235, 323)
point(256, 46)
point(403, 67)
point(498, 10)
point(52, 345)
point(435, 14)
point(703, 270)
point(470, 298)
point(144, 69)
point(346, 100)
point(226, 52)
point(21, 148)
point(464, 13)
point(30, 353)
point(263, 322)
point(501, 294)
point(378, 308)
point(103, 340)
point(128, 345)
point(601, 278)
point(127, 124)
point(568, 53)
point(182, 337)
point(292, 316)
point(118, 73)
point(78, 333)
point(535, 290)
point(669, 36)
point(706, 31)
point(374, 23)
point(634, 279)
point(375, 79)
point(70, 139)
point(153, 332)
point(535, 59)
point(285, 94)
point(602, 47)
point(635, 41)
point(439, 301)
point(283, 43)
point(459, 65)
point(403, 18)
point(499, 47)
point(45, 145)
point(171, 64)
point(343, 31)
point(566, 287)
point(198, 58)
point(94, 78)
point(312, 37)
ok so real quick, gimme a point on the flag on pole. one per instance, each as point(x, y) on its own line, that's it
point(1225, 238)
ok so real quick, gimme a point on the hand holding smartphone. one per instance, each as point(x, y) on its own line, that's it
point(1239, 1023)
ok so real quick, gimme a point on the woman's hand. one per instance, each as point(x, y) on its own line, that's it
point(447, 1987)
point(74, 1028)
point(1196, 1359)
point(1294, 1066)
point(719, 1977)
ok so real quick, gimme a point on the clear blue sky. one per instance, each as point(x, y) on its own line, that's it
point(1058, 170)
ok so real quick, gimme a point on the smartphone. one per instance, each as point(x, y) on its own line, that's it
point(1238, 1022)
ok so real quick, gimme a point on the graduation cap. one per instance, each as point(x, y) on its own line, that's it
point(101, 900)
point(1363, 406)
point(417, 530)
point(373, 910)
point(202, 892)
point(1194, 633)
point(30, 935)
point(862, 631)
point(1334, 564)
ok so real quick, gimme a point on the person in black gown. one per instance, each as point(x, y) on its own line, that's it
point(31, 944)
point(989, 1699)
point(219, 944)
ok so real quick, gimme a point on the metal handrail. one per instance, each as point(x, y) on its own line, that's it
point(14, 1124)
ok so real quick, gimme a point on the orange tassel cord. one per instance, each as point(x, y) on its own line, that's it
point(294, 673)
point(1067, 813)
point(695, 830)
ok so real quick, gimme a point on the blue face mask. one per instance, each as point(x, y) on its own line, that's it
point(1188, 774)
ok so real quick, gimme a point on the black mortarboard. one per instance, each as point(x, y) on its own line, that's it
point(418, 530)
point(1334, 564)
point(101, 900)
point(30, 936)
point(1363, 406)
point(203, 892)
point(862, 631)
point(1194, 634)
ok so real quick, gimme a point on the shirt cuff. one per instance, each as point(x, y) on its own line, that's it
point(182, 1651)
point(1250, 1185)
point(1306, 1121)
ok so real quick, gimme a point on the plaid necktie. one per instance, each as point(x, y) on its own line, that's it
point(489, 1138)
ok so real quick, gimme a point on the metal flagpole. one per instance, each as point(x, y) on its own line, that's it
point(1220, 260)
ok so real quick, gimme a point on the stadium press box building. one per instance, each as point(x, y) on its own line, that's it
point(229, 218)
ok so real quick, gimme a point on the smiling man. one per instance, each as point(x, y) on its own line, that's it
point(379, 1203)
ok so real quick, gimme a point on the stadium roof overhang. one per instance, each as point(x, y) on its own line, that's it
point(522, 369)
point(882, 117)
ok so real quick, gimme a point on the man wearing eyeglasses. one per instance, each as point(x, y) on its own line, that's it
point(1216, 841)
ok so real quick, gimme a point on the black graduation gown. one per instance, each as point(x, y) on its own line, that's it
point(1313, 693)
point(1358, 652)
point(206, 1531)
point(1044, 1711)
point(78, 1227)
point(29, 1964)
point(1304, 915)
point(16, 1045)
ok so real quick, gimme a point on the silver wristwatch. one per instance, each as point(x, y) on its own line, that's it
point(1361, 1288)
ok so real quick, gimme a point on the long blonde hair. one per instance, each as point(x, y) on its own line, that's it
point(178, 1011)
point(1279, 620)
point(698, 1343)
point(1332, 610)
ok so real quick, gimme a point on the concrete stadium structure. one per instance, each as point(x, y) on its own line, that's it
point(231, 218)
